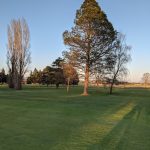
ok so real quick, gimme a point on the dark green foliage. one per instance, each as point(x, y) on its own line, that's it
point(50, 76)
point(3, 77)
point(35, 76)
point(90, 39)
point(58, 62)
point(29, 80)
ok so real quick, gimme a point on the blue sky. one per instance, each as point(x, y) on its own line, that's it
point(48, 19)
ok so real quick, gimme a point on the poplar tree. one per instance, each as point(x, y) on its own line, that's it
point(91, 38)
point(18, 53)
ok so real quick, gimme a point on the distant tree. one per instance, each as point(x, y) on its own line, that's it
point(52, 75)
point(45, 79)
point(118, 60)
point(29, 80)
point(39, 79)
point(69, 73)
point(48, 75)
point(59, 78)
point(90, 39)
point(48, 69)
point(35, 76)
point(58, 62)
point(18, 54)
point(146, 78)
point(3, 77)
point(3, 71)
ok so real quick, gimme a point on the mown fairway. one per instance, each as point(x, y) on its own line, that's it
point(40, 118)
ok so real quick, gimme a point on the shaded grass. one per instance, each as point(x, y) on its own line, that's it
point(41, 118)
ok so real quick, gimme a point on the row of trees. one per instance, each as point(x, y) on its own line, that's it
point(3, 77)
point(59, 73)
point(95, 49)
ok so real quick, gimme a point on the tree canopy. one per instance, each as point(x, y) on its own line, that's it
point(90, 39)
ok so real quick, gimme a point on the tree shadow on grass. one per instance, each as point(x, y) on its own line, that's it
point(88, 135)
point(131, 133)
point(132, 92)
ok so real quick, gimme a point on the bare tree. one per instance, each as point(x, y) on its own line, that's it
point(18, 54)
point(146, 78)
point(119, 59)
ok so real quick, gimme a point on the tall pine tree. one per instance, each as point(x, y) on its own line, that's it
point(90, 40)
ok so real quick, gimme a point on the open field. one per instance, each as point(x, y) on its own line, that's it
point(41, 118)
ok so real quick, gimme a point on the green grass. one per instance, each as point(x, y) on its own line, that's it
point(41, 118)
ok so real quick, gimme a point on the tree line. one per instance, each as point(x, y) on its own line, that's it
point(58, 73)
point(94, 50)
point(3, 77)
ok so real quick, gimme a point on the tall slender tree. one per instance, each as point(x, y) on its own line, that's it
point(18, 54)
point(119, 58)
point(90, 39)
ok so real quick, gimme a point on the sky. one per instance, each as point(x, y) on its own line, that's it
point(48, 19)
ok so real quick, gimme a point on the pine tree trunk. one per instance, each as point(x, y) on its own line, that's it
point(68, 84)
point(111, 88)
point(86, 82)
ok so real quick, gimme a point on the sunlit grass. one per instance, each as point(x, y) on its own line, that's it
point(42, 118)
point(93, 133)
